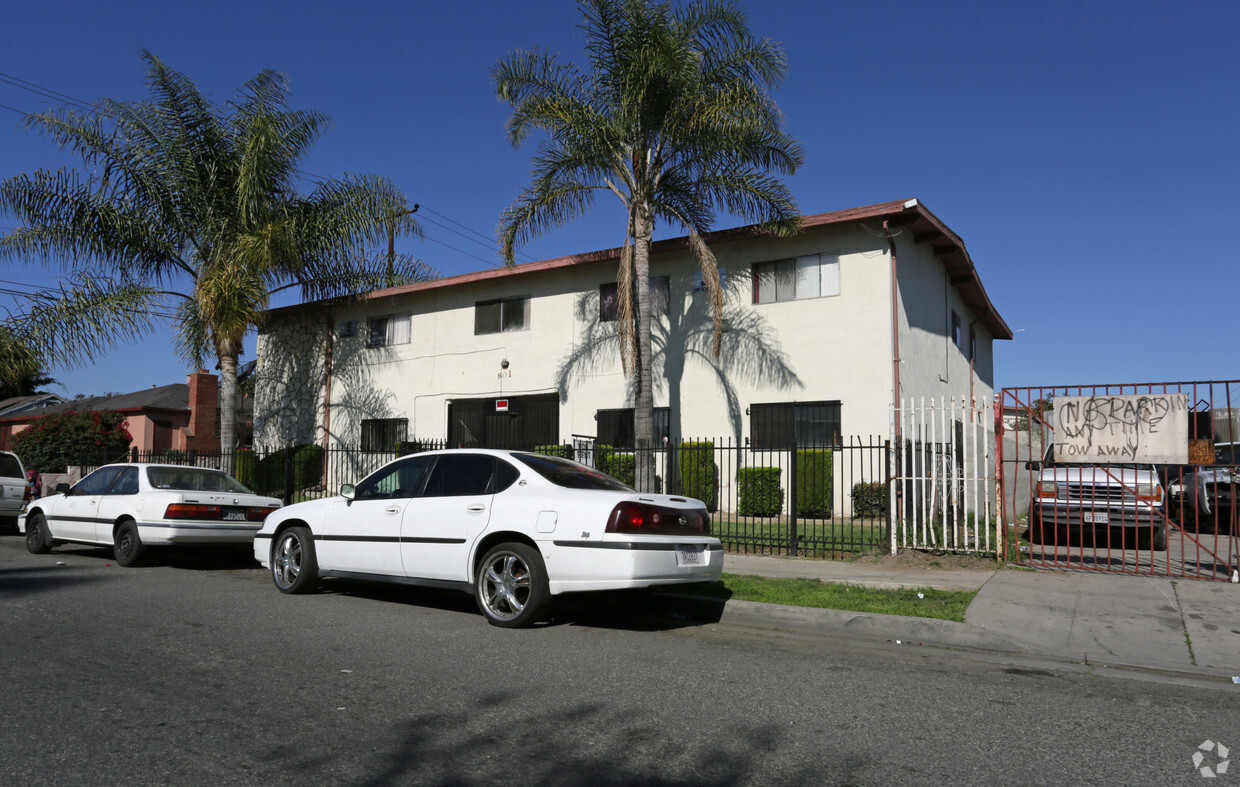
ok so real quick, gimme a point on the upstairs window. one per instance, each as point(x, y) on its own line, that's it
point(387, 331)
point(956, 334)
point(501, 315)
point(809, 276)
point(609, 299)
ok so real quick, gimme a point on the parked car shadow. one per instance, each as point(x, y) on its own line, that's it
point(628, 610)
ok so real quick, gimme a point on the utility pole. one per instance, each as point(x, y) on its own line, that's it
point(391, 266)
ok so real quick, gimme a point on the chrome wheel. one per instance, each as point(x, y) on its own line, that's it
point(293, 567)
point(511, 586)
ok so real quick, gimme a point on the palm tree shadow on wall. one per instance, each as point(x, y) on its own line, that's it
point(297, 381)
point(749, 352)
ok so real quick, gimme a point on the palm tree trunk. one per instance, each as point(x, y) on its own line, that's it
point(228, 403)
point(643, 405)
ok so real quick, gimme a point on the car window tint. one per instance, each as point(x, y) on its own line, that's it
point(397, 480)
point(562, 472)
point(505, 475)
point(10, 467)
point(127, 484)
point(461, 474)
point(97, 482)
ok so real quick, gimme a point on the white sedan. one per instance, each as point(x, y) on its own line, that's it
point(134, 506)
point(512, 528)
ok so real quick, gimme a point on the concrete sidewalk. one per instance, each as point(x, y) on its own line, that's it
point(1178, 625)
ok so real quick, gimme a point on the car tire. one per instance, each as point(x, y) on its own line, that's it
point(294, 567)
point(38, 537)
point(511, 586)
point(1158, 541)
point(127, 546)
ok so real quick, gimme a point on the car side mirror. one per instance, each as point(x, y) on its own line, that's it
point(348, 491)
point(1033, 465)
point(62, 488)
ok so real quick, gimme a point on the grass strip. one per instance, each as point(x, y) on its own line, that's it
point(915, 603)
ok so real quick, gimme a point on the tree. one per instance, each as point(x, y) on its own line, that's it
point(196, 205)
point(51, 443)
point(675, 119)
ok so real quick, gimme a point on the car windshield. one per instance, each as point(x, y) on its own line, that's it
point(571, 475)
point(194, 479)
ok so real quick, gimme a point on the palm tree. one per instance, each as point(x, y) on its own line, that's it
point(675, 119)
point(196, 205)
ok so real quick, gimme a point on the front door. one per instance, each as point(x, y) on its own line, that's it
point(441, 526)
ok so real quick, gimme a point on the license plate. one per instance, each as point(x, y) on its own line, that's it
point(234, 514)
point(690, 555)
point(1096, 517)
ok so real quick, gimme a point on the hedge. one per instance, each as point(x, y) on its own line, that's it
point(814, 479)
point(564, 451)
point(758, 491)
point(51, 443)
point(869, 500)
point(307, 461)
point(698, 471)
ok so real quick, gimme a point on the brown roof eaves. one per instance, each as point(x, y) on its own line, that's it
point(910, 214)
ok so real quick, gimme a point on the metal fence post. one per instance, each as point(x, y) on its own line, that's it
point(792, 503)
point(288, 476)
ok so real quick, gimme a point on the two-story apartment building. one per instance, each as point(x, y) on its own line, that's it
point(824, 332)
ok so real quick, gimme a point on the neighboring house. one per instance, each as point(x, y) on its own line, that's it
point(25, 404)
point(182, 416)
point(528, 355)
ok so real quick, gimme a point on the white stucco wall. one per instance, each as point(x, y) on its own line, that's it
point(836, 348)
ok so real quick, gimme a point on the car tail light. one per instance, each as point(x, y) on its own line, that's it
point(193, 511)
point(643, 518)
point(259, 514)
point(26, 498)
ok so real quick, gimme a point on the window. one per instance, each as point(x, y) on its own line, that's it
point(382, 434)
point(809, 424)
point(387, 331)
point(498, 316)
point(957, 338)
point(609, 299)
point(810, 276)
point(397, 480)
point(97, 483)
point(458, 475)
point(972, 342)
point(615, 427)
point(127, 484)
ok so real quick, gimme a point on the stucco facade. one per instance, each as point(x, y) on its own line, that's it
point(326, 369)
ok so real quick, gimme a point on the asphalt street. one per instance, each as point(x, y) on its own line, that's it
point(195, 670)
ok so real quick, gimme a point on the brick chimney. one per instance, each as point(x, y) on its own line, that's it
point(203, 433)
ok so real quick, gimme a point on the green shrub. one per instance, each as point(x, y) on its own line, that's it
point(51, 443)
point(697, 472)
point(814, 478)
point(307, 467)
point(245, 466)
point(869, 500)
point(564, 451)
point(758, 492)
point(620, 466)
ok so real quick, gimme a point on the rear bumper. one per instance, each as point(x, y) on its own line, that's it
point(197, 532)
point(616, 565)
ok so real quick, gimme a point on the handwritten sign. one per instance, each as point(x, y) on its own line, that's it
point(1122, 429)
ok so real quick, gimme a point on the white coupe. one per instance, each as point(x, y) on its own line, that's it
point(512, 528)
point(134, 506)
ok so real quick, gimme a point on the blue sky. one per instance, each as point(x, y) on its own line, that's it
point(1084, 151)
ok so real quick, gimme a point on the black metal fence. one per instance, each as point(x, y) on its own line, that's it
point(817, 500)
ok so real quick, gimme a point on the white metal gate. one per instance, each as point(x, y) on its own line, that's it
point(944, 492)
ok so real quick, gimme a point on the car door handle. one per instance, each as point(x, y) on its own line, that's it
point(392, 510)
point(476, 508)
